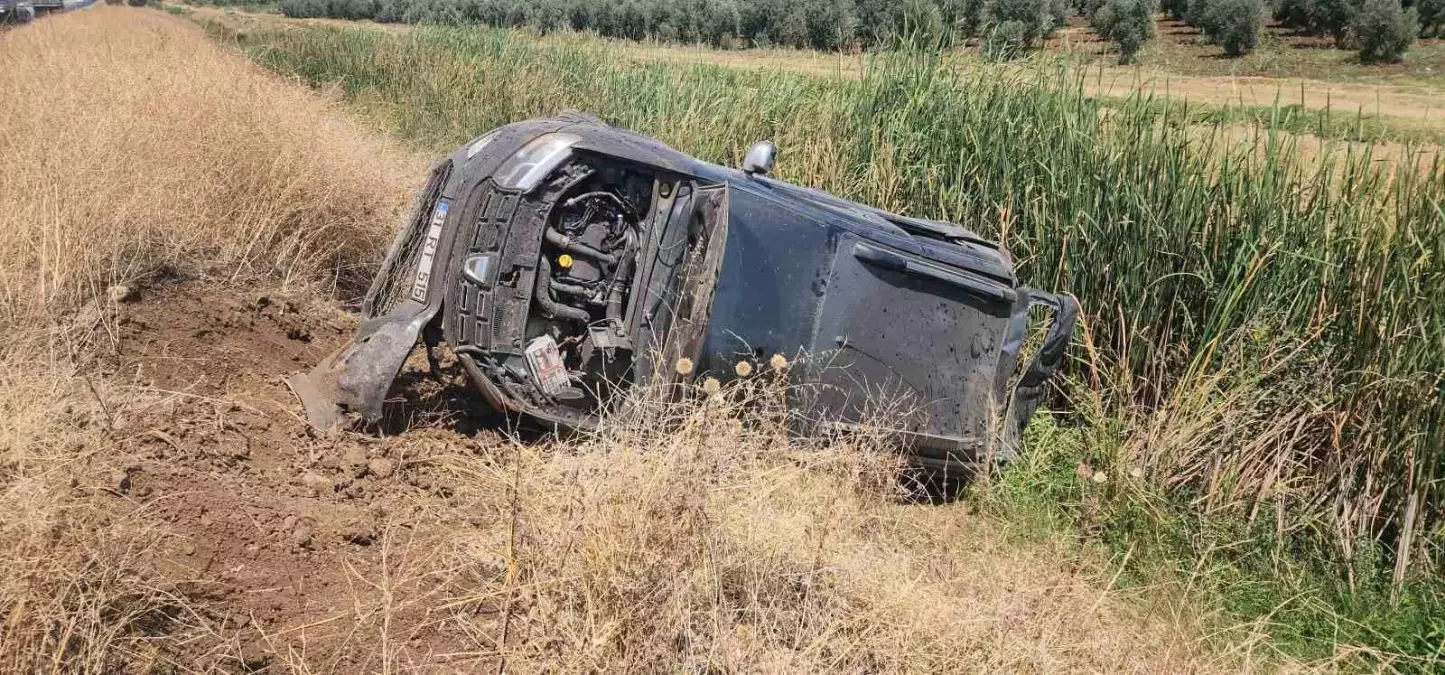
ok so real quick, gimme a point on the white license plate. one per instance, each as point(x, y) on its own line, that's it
point(429, 251)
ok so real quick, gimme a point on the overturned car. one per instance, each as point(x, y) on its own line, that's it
point(564, 261)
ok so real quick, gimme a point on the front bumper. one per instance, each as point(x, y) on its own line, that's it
point(355, 378)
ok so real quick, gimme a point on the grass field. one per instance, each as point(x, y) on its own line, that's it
point(1243, 472)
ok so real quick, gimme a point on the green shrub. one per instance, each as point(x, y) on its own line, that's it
point(1334, 17)
point(964, 17)
point(1431, 14)
point(1319, 17)
point(831, 24)
point(882, 22)
point(386, 10)
point(721, 23)
point(550, 16)
point(1100, 15)
point(1385, 31)
point(1028, 22)
point(1296, 14)
point(922, 22)
point(1057, 16)
point(301, 8)
point(1233, 24)
point(819, 24)
point(1005, 41)
point(877, 20)
point(1194, 11)
point(1128, 23)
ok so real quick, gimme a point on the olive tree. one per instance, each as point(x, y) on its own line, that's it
point(1385, 31)
point(1431, 14)
point(1127, 23)
point(1232, 24)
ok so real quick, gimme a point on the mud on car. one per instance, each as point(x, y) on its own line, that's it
point(565, 261)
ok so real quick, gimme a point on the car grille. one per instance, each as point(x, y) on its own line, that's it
point(393, 283)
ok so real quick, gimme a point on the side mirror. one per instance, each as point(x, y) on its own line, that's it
point(760, 158)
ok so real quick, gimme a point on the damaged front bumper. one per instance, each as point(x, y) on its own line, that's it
point(354, 380)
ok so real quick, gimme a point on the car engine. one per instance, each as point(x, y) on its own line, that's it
point(583, 284)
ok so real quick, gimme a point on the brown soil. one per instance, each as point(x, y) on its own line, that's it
point(285, 537)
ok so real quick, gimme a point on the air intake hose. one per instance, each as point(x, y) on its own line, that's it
point(566, 243)
point(622, 279)
point(551, 308)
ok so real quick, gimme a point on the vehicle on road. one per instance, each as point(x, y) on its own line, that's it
point(565, 261)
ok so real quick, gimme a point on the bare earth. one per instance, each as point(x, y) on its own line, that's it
point(1345, 98)
point(281, 534)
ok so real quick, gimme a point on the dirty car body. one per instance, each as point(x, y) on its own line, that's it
point(564, 261)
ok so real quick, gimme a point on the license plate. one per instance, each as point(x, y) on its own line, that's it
point(429, 251)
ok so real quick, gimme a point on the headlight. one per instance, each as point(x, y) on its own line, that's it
point(534, 161)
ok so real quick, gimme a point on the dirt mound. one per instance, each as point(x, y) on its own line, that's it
point(278, 531)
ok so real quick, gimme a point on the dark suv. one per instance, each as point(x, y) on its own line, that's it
point(565, 261)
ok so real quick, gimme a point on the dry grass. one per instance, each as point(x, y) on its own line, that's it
point(699, 537)
point(70, 592)
point(130, 145)
point(707, 544)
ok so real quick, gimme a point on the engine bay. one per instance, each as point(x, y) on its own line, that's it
point(615, 246)
point(583, 283)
